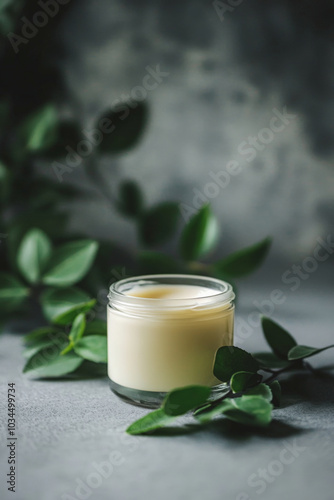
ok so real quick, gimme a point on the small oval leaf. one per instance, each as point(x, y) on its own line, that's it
point(93, 348)
point(180, 401)
point(33, 254)
point(244, 261)
point(200, 235)
point(70, 262)
point(230, 359)
point(279, 339)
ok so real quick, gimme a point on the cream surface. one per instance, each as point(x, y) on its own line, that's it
point(158, 350)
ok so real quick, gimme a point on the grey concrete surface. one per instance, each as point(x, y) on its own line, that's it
point(69, 430)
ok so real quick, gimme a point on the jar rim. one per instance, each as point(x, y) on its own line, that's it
point(117, 291)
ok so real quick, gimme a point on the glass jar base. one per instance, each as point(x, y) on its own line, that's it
point(152, 400)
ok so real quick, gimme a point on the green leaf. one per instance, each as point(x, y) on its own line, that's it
point(96, 327)
point(159, 223)
point(230, 360)
point(279, 339)
point(76, 332)
point(276, 393)
point(244, 261)
point(157, 263)
point(93, 348)
point(260, 390)
point(252, 411)
point(53, 224)
point(304, 351)
point(60, 306)
point(5, 181)
point(270, 360)
point(240, 381)
point(48, 363)
point(180, 401)
point(37, 346)
point(33, 254)
point(78, 328)
point(129, 124)
point(200, 235)
point(130, 199)
point(39, 131)
point(207, 413)
point(68, 136)
point(154, 420)
point(70, 263)
point(12, 292)
point(39, 334)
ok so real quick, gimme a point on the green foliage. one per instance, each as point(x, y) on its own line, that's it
point(240, 381)
point(34, 252)
point(278, 339)
point(126, 124)
point(244, 261)
point(230, 360)
point(93, 348)
point(12, 292)
point(199, 235)
point(131, 201)
point(159, 223)
point(303, 351)
point(249, 400)
point(69, 263)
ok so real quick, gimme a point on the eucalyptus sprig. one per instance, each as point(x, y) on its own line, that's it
point(252, 388)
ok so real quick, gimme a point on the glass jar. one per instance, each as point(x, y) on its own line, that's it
point(164, 332)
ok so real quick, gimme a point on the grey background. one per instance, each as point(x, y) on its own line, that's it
point(225, 79)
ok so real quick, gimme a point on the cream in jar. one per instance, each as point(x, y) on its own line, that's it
point(164, 332)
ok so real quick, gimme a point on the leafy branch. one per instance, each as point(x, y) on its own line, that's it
point(250, 396)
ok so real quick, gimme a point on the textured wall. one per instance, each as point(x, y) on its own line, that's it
point(226, 79)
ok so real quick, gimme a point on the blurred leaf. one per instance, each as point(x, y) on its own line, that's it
point(70, 262)
point(230, 359)
point(78, 328)
point(130, 199)
point(93, 348)
point(254, 411)
point(48, 363)
point(276, 393)
point(68, 136)
point(244, 261)
point(39, 334)
point(51, 223)
point(12, 292)
point(159, 223)
point(39, 131)
point(248, 410)
point(200, 235)
point(96, 327)
point(180, 401)
point(240, 381)
point(33, 254)
point(154, 420)
point(5, 179)
point(260, 390)
point(128, 124)
point(278, 339)
point(36, 347)
point(4, 108)
point(304, 351)
point(270, 360)
point(157, 263)
point(62, 305)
